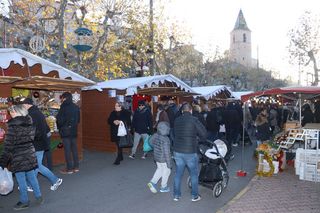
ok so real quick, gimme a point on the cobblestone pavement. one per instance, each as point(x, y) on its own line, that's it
point(281, 193)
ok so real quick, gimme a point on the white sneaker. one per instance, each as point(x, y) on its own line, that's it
point(55, 186)
point(29, 189)
point(144, 156)
point(195, 199)
point(152, 187)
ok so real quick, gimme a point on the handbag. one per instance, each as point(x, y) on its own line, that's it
point(126, 141)
point(146, 144)
point(122, 129)
point(6, 181)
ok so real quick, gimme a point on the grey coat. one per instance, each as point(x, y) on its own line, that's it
point(161, 144)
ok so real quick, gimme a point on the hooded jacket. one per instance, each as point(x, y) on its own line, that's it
point(142, 121)
point(18, 149)
point(161, 144)
point(39, 122)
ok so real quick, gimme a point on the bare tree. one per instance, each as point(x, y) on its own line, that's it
point(304, 43)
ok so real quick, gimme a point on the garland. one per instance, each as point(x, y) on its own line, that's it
point(269, 159)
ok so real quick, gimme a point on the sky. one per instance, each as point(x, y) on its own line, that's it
point(211, 21)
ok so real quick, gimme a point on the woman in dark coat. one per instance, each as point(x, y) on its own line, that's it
point(307, 114)
point(263, 127)
point(19, 152)
point(117, 115)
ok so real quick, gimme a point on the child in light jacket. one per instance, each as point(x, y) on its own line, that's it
point(161, 150)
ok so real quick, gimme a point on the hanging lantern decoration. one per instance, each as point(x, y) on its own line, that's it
point(84, 37)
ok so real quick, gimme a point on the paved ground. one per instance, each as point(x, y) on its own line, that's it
point(281, 193)
point(102, 187)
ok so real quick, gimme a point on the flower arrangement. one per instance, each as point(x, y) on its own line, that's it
point(269, 159)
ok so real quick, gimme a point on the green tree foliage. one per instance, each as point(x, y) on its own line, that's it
point(222, 71)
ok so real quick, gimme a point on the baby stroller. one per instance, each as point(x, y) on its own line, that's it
point(213, 171)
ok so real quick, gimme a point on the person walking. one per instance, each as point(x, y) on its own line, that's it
point(160, 142)
point(185, 147)
point(142, 127)
point(40, 141)
point(162, 115)
point(68, 119)
point(116, 116)
point(20, 153)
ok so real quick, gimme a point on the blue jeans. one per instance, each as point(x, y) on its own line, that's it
point(22, 178)
point(70, 147)
point(44, 170)
point(191, 161)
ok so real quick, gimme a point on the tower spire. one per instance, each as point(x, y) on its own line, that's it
point(241, 23)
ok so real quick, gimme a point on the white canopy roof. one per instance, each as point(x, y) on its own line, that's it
point(131, 85)
point(238, 95)
point(210, 91)
point(12, 54)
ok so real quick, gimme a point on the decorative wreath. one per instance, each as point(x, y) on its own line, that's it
point(269, 159)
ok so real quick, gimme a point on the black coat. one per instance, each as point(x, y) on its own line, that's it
point(124, 116)
point(308, 117)
point(39, 122)
point(18, 149)
point(200, 117)
point(214, 119)
point(186, 130)
point(68, 118)
point(142, 121)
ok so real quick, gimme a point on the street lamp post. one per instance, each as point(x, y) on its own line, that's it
point(151, 45)
point(142, 64)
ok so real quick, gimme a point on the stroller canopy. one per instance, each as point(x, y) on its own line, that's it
point(213, 153)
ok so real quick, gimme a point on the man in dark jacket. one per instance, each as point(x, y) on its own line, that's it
point(185, 147)
point(68, 118)
point(142, 126)
point(40, 141)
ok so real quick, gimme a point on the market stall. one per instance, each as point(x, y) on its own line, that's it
point(99, 100)
point(23, 74)
point(300, 144)
point(219, 92)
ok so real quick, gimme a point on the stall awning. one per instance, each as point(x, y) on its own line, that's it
point(149, 85)
point(209, 92)
point(7, 55)
point(293, 92)
point(45, 83)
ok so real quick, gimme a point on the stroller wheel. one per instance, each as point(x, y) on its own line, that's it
point(189, 182)
point(217, 189)
point(225, 179)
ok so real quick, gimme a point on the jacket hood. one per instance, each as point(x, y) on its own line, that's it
point(163, 128)
point(20, 120)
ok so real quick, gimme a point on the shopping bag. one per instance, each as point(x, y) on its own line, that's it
point(146, 144)
point(6, 181)
point(122, 129)
point(126, 141)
